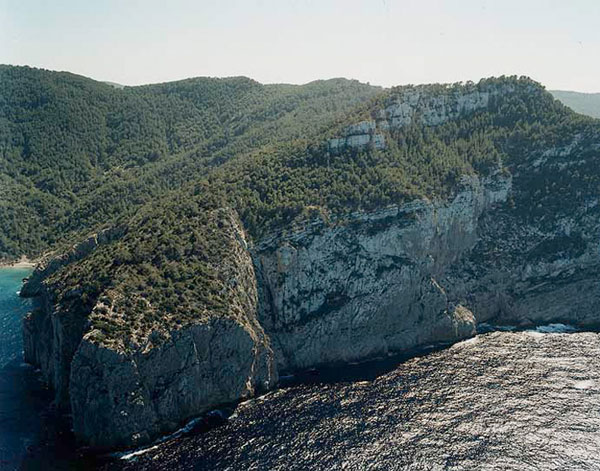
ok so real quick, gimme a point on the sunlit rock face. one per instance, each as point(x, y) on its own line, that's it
point(414, 105)
point(358, 136)
point(405, 108)
point(374, 285)
point(431, 110)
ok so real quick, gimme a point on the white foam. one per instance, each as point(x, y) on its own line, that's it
point(586, 384)
point(133, 454)
point(535, 334)
point(127, 455)
point(465, 343)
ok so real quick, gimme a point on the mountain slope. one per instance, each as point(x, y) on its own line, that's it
point(77, 153)
point(402, 220)
point(584, 103)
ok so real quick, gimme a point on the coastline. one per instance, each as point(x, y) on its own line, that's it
point(23, 262)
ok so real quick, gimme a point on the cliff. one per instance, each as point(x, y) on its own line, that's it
point(133, 380)
point(182, 310)
point(537, 257)
point(373, 284)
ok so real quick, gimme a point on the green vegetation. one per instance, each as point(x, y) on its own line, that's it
point(174, 265)
point(271, 189)
point(75, 153)
point(164, 160)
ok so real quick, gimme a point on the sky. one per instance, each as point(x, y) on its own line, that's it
point(383, 42)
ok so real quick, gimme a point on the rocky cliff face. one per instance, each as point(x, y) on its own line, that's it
point(124, 390)
point(122, 398)
point(518, 246)
point(537, 258)
point(371, 285)
point(329, 293)
point(338, 292)
point(407, 105)
point(52, 332)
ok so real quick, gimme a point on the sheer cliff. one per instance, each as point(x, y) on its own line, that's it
point(412, 218)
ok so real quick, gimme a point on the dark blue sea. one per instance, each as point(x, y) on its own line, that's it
point(19, 388)
point(504, 400)
point(32, 435)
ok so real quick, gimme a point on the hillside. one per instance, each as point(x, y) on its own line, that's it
point(584, 103)
point(168, 254)
point(77, 153)
point(80, 154)
point(309, 232)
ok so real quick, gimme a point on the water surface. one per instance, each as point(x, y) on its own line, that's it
point(19, 422)
point(500, 401)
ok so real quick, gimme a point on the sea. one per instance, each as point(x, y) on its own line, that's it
point(19, 401)
point(33, 435)
point(507, 399)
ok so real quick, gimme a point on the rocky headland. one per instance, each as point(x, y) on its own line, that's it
point(514, 244)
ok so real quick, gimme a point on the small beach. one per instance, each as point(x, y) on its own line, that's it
point(23, 262)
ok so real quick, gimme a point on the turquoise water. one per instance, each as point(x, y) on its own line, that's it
point(12, 310)
point(21, 395)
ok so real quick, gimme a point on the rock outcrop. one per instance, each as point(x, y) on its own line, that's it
point(370, 286)
point(52, 333)
point(358, 136)
point(537, 258)
point(121, 398)
point(408, 105)
point(124, 392)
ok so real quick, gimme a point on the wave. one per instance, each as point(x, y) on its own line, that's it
point(207, 420)
point(553, 328)
point(585, 384)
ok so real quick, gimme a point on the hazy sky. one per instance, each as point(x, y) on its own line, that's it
point(383, 42)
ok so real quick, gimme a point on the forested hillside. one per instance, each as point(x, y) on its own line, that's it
point(276, 172)
point(76, 153)
point(584, 103)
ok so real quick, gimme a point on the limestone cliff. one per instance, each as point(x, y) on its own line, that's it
point(132, 355)
point(537, 258)
point(140, 380)
point(369, 286)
